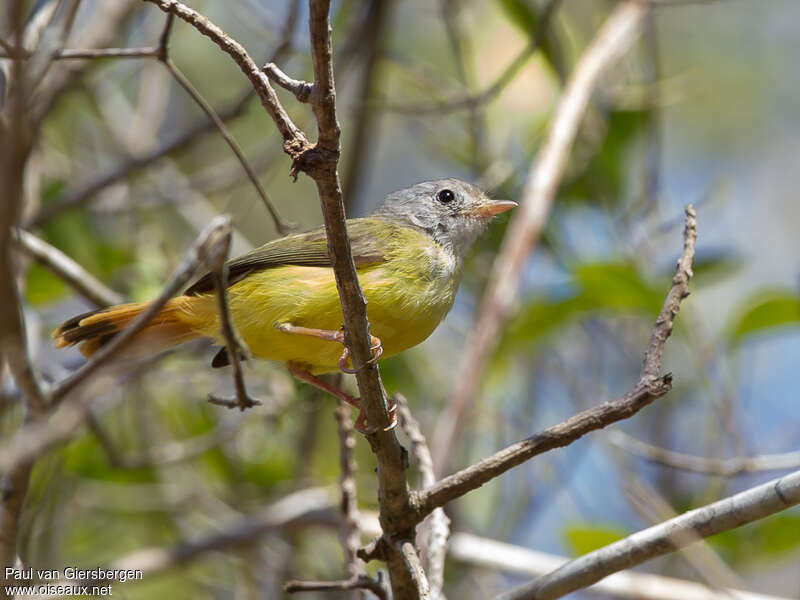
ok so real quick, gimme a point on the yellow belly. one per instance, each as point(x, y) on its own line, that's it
point(406, 300)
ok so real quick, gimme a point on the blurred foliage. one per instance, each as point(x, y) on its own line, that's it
point(765, 311)
point(613, 267)
point(582, 538)
point(765, 540)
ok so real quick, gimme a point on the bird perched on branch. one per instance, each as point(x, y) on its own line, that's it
point(283, 298)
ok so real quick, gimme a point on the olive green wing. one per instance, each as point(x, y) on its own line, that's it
point(305, 249)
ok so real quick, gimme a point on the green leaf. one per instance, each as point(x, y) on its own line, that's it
point(765, 311)
point(767, 538)
point(613, 287)
point(616, 286)
point(583, 538)
point(42, 287)
point(521, 14)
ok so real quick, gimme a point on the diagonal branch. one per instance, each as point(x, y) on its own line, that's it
point(721, 467)
point(282, 227)
point(616, 35)
point(294, 140)
point(69, 271)
point(207, 243)
point(748, 506)
point(508, 75)
point(649, 387)
point(89, 190)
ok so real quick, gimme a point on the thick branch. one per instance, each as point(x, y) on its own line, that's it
point(393, 490)
point(631, 585)
point(611, 42)
point(748, 506)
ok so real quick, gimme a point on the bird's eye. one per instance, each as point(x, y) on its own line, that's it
point(445, 196)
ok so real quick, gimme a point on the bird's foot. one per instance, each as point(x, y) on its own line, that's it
point(335, 336)
point(375, 347)
point(361, 420)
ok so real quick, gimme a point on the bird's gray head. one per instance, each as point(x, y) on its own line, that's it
point(452, 212)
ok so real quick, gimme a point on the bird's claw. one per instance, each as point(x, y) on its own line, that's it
point(376, 348)
point(360, 424)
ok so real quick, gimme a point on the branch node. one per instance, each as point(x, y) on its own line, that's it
point(302, 90)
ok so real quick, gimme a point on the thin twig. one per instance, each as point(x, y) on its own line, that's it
point(349, 534)
point(357, 582)
point(294, 140)
point(650, 386)
point(748, 506)
point(435, 530)
point(720, 467)
point(91, 53)
point(302, 90)
point(209, 240)
point(234, 344)
point(90, 189)
point(495, 88)
point(66, 269)
point(609, 44)
point(282, 227)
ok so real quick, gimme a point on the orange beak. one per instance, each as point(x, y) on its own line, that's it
point(491, 208)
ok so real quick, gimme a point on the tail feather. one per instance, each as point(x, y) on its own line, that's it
point(92, 330)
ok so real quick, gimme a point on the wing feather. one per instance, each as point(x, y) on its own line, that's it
point(305, 250)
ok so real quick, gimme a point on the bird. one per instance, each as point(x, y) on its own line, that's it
point(282, 296)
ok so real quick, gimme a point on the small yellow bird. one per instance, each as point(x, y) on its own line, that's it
point(283, 299)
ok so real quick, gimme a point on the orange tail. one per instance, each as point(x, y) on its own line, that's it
point(94, 329)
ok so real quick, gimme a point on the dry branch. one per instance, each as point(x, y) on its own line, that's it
point(748, 506)
point(611, 42)
point(649, 387)
point(66, 269)
point(721, 467)
point(89, 190)
point(208, 242)
point(509, 558)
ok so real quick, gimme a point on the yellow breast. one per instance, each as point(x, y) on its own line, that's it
point(407, 296)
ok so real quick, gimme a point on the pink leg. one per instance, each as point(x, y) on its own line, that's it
point(333, 336)
point(318, 383)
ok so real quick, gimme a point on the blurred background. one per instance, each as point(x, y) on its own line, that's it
point(703, 110)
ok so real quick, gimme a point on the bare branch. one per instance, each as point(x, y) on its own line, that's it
point(721, 467)
point(495, 88)
point(371, 35)
point(294, 140)
point(349, 534)
point(748, 506)
point(632, 585)
point(233, 342)
point(89, 190)
point(302, 90)
point(321, 164)
point(435, 529)
point(208, 242)
point(91, 53)
point(649, 387)
point(282, 227)
point(609, 44)
point(14, 153)
point(357, 582)
point(70, 272)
